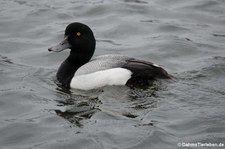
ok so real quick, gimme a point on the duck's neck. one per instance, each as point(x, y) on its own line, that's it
point(68, 68)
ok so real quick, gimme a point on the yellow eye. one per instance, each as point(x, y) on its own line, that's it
point(78, 33)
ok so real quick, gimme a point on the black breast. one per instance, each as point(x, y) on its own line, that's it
point(65, 73)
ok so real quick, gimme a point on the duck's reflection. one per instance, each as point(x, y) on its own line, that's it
point(114, 100)
point(77, 111)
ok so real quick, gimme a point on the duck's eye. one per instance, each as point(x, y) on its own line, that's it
point(78, 33)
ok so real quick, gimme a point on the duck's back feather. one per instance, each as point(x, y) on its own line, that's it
point(102, 63)
point(139, 68)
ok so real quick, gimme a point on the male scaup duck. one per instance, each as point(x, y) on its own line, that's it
point(79, 71)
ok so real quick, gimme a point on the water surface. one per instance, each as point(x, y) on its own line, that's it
point(187, 38)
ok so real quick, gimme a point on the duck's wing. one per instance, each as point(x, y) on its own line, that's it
point(145, 69)
point(139, 68)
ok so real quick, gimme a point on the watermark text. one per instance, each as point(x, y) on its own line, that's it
point(200, 144)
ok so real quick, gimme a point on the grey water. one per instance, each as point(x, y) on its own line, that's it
point(187, 38)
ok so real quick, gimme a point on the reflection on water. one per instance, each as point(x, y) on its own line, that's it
point(79, 108)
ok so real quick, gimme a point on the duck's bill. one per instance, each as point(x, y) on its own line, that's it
point(61, 46)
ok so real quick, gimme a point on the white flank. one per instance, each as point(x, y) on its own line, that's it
point(114, 76)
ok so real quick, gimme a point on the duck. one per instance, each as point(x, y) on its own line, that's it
point(81, 71)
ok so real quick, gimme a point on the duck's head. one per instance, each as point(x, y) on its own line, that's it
point(79, 38)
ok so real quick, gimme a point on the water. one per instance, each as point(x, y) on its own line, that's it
point(186, 37)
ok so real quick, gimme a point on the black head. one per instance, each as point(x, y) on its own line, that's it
point(80, 39)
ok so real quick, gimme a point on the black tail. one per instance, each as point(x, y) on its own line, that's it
point(147, 70)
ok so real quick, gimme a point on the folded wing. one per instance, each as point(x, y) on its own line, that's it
point(139, 68)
